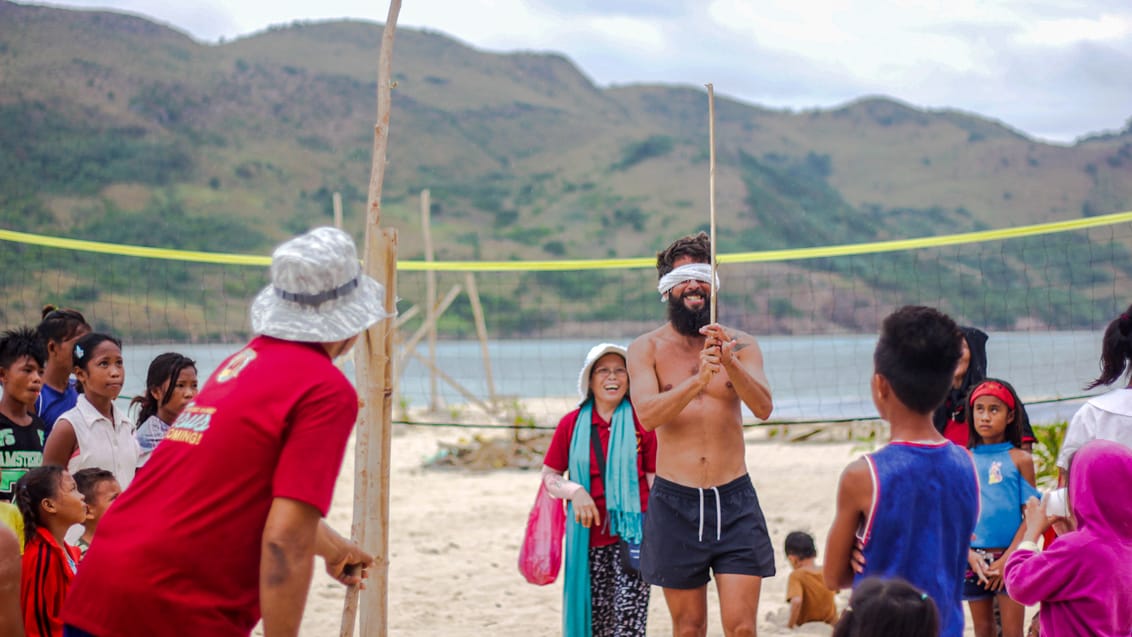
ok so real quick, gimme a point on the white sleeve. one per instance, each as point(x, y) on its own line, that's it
point(1081, 430)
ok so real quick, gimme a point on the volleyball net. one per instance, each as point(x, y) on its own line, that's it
point(510, 332)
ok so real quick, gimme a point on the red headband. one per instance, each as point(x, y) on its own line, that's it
point(991, 388)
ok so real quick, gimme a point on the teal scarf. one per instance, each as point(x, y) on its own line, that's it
point(622, 500)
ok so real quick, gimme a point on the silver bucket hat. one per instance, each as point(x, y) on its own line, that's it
point(318, 293)
point(595, 353)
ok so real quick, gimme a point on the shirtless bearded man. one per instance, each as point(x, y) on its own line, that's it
point(689, 381)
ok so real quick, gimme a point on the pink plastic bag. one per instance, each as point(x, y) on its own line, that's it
point(540, 557)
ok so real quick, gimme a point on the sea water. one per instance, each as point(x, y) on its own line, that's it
point(812, 377)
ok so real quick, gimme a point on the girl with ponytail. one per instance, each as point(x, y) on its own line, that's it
point(170, 385)
point(1108, 416)
point(50, 503)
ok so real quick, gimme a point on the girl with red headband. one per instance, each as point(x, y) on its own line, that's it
point(1006, 480)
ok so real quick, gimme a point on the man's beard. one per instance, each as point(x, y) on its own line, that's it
point(685, 321)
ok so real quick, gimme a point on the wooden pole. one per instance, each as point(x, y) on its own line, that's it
point(370, 526)
point(337, 200)
point(481, 332)
point(464, 391)
point(711, 191)
point(428, 324)
point(430, 298)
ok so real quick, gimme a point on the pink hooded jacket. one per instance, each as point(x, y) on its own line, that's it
point(1084, 579)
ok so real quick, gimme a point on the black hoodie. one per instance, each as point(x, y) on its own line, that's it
point(954, 406)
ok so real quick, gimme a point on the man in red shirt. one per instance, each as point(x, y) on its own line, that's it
point(220, 525)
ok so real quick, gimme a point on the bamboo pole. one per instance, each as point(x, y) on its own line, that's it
point(428, 324)
point(337, 200)
point(408, 314)
point(464, 391)
point(481, 333)
point(711, 192)
point(430, 298)
point(370, 526)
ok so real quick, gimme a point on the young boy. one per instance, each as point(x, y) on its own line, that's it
point(911, 506)
point(810, 599)
point(22, 357)
point(99, 489)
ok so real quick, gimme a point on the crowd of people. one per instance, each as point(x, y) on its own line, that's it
point(201, 512)
point(947, 511)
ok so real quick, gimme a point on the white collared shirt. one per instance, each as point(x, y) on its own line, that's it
point(1104, 417)
point(103, 442)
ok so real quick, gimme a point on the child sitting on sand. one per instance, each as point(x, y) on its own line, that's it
point(810, 599)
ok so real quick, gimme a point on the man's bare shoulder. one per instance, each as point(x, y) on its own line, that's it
point(649, 340)
point(742, 339)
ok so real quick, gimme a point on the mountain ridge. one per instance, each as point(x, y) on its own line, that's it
point(110, 121)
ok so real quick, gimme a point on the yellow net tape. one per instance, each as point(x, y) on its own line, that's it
point(592, 264)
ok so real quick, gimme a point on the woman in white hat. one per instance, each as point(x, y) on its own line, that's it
point(611, 461)
point(220, 526)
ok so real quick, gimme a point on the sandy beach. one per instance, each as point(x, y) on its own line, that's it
point(455, 535)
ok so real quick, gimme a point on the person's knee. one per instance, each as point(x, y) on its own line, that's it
point(740, 627)
point(689, 626)
point(689, 622)
point(983, 626)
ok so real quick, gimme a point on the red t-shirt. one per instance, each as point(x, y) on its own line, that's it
point(46, 574)
point(957, 432)
point(558, 458)
point(179, 551)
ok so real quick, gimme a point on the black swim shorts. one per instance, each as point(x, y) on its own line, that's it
point(690, 532)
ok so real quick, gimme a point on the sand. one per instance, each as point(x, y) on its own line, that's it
point(455, 535)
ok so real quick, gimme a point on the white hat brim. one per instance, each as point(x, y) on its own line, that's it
point(334, 320)
point(595, 354)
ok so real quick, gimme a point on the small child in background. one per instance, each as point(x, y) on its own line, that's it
point(59, 330)
point(50, 503)
point(888, 608)
point(810, 599)
point(100, 489)
point(170, 385)
point(22, 357)
point(1006, 482)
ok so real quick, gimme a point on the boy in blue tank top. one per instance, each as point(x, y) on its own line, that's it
point(911, 506)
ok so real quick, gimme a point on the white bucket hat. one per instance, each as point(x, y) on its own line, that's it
point(318, 293)
point(596, 352)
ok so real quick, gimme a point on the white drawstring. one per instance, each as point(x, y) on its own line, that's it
point(718, 514)
point(701, 513)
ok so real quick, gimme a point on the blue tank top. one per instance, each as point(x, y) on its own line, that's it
point(51, 404)
point(1002, 492)
point(925, 505)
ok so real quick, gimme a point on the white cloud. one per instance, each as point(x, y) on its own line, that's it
point(1043, 66)
point(1067, 31)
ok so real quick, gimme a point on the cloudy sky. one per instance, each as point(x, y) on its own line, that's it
point(1054, 69)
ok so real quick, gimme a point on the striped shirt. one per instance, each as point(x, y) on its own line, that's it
point(46, 574)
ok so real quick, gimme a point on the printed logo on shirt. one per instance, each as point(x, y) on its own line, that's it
point(191, 424)
point(994, 476)
point(10, 473)
point(235, 365)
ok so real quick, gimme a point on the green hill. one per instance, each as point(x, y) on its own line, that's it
point(114, 128)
